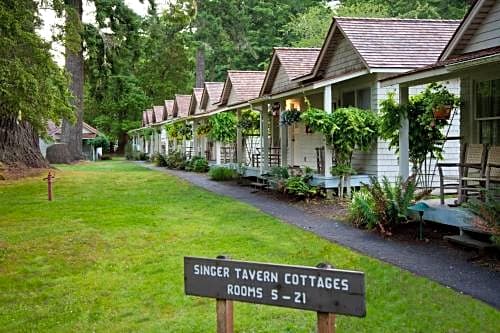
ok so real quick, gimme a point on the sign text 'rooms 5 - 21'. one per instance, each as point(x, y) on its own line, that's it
point(308, 288)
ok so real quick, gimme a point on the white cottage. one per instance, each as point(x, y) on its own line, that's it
point(473, 56)
point(356, 54)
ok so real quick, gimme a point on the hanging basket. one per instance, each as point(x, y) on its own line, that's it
point(442, 112)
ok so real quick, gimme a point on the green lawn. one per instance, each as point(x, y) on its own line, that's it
point(107, 256)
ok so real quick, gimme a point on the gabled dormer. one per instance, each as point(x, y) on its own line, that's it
point(211, 95)
point(241, 86)
point(194, 104)
point(286, 65)
point(479, 30)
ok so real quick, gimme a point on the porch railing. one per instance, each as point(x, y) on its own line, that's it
point(274, 157)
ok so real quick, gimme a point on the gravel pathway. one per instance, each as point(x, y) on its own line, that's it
point(427, 260)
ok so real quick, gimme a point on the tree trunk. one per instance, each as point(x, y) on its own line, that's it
point(122, 143)
point(200, 67)
point(19, 144)
point(72, 133)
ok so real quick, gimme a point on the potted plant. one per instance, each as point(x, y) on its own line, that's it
point(290, 117)
point(443, 101)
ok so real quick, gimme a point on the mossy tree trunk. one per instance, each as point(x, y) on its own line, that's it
point(19, 144)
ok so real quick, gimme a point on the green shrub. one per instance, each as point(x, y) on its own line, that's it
point(221, 173)
point(279, 173)
point(106, 157)
point(176, 160)
point(200, 165)
point(299, 186)
point(160, 159)
point(382, 204)
point(197, 164)
point(362, 210)
point(489, 213)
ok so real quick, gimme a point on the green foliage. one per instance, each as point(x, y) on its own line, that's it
point(219, 173)
point(489, 213)
point(176, 160)
point(32, 86)
point(450, 9)
point(111, 265)
point(318, 121)
point(346, 130)
point(362, 210)
point(203, 129)
point(167, 36)
point(290, 117)
point(299, 186)
point(197, 164)
point(249, 123)
point(279, 173)
point(100, 141)
point(354, 129)
point(241, 34)
point(179, 130)
point(342, 170)
point(186, 131)
point(160, 160)
point(223, 127)
point(383, 204)
point(425, 132)
point(309, 28)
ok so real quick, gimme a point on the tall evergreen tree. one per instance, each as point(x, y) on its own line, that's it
point(33, 89)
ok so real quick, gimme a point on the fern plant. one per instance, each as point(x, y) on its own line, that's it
point(382, 204)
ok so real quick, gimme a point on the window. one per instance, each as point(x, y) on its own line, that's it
point(348, 99)
point(363, 99)
point(488, 111)
point(358, 98)
point(488, 99)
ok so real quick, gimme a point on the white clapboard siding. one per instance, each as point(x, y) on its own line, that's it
point(388, 164)
point(488, 33)
point(344, 58)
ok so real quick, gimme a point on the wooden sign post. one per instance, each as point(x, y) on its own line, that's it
point(322, 289)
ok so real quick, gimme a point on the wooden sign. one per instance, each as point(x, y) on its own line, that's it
point(308, 288)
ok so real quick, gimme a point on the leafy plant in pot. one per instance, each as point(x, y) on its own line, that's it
point(289, 117)
point(443, 101)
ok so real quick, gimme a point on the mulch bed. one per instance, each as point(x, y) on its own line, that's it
point(337, 209)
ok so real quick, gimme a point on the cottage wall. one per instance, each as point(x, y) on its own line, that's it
point(344, 58)
point(282, 82)
point(488, 34)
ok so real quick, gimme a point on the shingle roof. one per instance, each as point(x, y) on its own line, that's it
point(245, 86)
point(194, 104)
point(398, 43)
point(296, 62)
point(159, 111)
point(214, 91)
point(149, 116)
point(181, 105)
point(169, 108)
point(455, 60)
point(388, 42)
